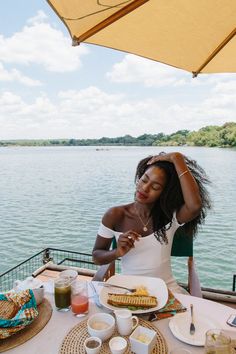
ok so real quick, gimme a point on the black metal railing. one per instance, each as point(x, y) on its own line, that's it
point(57, 256)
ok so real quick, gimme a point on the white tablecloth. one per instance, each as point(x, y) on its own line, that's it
point(48, 341)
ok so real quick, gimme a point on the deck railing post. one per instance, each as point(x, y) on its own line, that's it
point(46, 256)
point(234, 282)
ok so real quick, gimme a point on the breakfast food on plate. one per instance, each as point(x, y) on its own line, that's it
point(141, 290)
point(137, 301)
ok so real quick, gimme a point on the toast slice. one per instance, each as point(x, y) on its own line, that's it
point(122, 300)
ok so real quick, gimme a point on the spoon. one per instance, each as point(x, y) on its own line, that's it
point(192, 327)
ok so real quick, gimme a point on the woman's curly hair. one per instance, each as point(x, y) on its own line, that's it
point(171, 198)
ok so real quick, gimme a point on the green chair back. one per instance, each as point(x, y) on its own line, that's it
point(182, 244)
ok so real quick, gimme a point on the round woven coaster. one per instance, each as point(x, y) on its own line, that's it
point(74, 340)
point(45, 313)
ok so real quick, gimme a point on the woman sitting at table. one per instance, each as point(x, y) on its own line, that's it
point(170, 192)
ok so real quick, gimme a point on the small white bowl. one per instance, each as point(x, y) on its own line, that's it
point(92, 345)
point(142, 340)
point(101, 325)
point(117, 345)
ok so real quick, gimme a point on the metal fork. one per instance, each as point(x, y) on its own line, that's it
point(96, 298)
point(95, 295)
point(107, 285)
point(192, 327)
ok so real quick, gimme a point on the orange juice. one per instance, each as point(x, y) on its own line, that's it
point(79, 304)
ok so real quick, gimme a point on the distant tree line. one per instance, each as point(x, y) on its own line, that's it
point(221, 136)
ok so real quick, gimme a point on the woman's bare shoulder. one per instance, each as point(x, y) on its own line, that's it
point(114, 215)
point(116, 211)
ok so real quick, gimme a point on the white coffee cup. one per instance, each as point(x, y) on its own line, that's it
point(126, 323)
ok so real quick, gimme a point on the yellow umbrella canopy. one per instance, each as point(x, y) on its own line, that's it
point(195, 35)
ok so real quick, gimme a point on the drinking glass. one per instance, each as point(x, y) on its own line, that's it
point(62, 294)
point(79, 298)
point(217, 342)
point(69, 273)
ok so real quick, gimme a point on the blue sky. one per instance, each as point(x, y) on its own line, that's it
point(49, 89)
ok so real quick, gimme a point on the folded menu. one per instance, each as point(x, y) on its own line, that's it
point(172, 307)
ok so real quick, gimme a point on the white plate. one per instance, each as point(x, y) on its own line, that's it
point(180, 323)
point(155, 286)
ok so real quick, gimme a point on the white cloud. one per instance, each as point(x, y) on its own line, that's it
point(134, 69)
point(92, 113)
point(225, 87)
point(14, 108)
point(222, 100)
point(39, 18)
point(16, 76)
point(10, 104)
point(40, 43)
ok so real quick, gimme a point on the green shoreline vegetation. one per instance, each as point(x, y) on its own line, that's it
point(211, 136)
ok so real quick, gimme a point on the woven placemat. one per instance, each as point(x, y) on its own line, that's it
point(74, 340)
point(45, 313)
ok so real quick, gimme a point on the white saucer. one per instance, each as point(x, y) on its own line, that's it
point(180, 324)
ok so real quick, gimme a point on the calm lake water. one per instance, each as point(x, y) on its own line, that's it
point(56, 196)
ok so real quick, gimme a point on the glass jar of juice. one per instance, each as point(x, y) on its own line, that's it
point(79, 298)
point(62, 294)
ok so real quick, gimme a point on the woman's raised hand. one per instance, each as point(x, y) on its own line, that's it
point(170, 157)
point(126, 242)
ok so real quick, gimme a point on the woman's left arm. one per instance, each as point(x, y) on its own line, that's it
point(192, 199)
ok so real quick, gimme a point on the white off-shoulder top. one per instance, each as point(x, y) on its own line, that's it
point(149, 257)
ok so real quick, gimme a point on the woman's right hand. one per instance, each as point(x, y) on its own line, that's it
point(126, 242)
